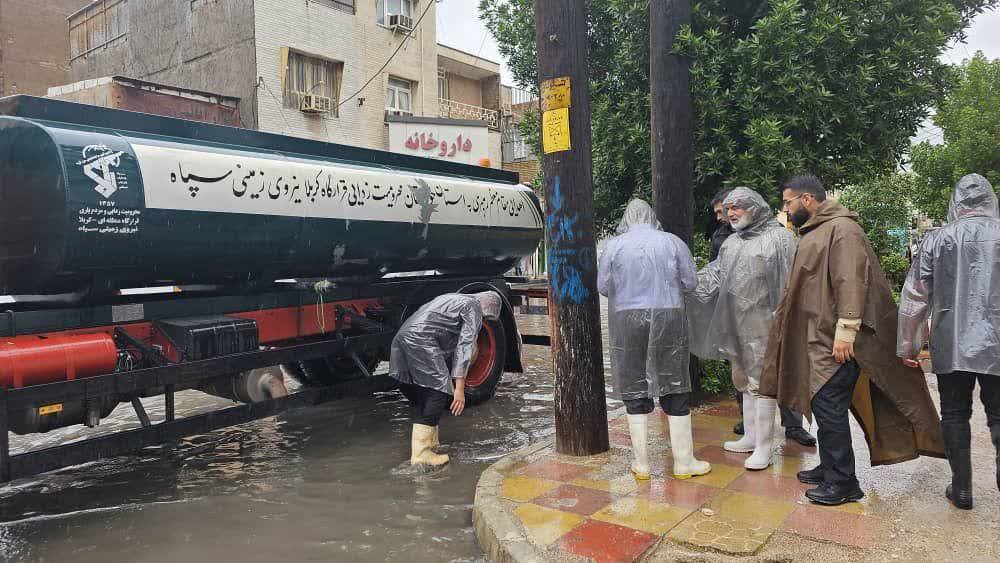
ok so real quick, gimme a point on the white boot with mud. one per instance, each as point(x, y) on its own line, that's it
point(682, 448)
point(436, 438)
point(420, 447)
point(748, 442)
point(761, 458)
point(638, 430)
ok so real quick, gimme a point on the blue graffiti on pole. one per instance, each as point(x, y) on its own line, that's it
point(565, 263)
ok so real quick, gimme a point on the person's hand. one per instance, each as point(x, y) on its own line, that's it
point(843, 352)
point(458, 404)
point(911, 363)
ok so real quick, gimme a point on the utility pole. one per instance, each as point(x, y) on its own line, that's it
point(671, 121)
point(578, 357)
point(671, 132)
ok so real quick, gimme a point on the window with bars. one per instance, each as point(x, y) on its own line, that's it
point(343, 5)
point(398, 96)
point(100, 23)
point(310, 76)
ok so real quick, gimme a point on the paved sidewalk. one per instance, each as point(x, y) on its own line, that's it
point(539, 505)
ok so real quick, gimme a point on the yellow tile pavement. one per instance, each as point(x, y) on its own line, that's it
point(546, 525)
point(641, 514)
point(720, 533)
point(720, 476)
point(525, 489)
point(752, 508)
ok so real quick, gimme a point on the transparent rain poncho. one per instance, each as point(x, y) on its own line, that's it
point(442, 332)
point(737, 294)
point(645, 273)
point(955, 279)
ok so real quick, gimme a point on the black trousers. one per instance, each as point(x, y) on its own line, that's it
point(956, 402)
point(678, 404)
point(789, 418)
point(831, 406)
point(428, 405)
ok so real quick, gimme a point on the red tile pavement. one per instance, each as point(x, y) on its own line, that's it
point(727, 408)
point(556, 471)
point(711, 435)
point(835, 526)
point(619, 438)
point(604, 542)
point(716, 454)
point(770, 486)
point(578, 500)
point(677, 492)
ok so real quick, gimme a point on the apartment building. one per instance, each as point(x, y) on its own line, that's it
point(333, 70)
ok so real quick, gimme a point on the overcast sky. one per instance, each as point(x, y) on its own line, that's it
point(458, 26)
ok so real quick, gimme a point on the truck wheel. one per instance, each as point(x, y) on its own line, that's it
point(485, 374)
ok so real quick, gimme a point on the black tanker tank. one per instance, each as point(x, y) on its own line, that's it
point(101, 199)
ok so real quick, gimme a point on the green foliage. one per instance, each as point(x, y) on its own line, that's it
point(969, 116)
point(702, 250)
point(882, 204)
point(716, 377)
point(833, 86)
point(895, 268)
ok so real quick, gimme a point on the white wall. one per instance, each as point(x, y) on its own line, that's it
point(363, 46)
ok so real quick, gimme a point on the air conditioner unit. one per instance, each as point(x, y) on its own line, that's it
point(399, 21)
point(311, 103)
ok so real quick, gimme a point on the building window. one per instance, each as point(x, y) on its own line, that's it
point(311, 83)
point(442, 85)
point(343, 5)
point(97, 25)
point(386, 8)
point(398, 95)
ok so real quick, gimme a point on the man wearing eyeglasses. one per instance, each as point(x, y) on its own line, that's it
point(831, 349)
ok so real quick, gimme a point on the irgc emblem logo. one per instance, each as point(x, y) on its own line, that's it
point(98, 163)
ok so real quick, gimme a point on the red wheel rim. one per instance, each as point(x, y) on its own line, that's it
point(481, 369)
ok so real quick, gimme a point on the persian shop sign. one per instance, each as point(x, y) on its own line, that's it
point(457, 143)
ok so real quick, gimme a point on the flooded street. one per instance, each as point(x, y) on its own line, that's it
point(331, 482)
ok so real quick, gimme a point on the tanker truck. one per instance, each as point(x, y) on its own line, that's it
point(283, 256)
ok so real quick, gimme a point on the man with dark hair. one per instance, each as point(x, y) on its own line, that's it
point(832, 345)
point(724, 230)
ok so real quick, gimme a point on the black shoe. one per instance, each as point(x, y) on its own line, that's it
point(812, 476)
point(738, 429)
point(833, 495)
point(995, 434)
point(964, 501)
point(799, 434)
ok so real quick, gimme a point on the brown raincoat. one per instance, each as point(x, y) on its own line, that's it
point(836, 275)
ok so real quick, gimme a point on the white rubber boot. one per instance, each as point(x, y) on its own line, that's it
point(761, 458)
point(420, 447)
point(682, 448)
point(748, 441)
point(638, 430)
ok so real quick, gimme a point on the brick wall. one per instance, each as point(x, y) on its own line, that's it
point(362, 46)
point(34, 43)
point(527, 170)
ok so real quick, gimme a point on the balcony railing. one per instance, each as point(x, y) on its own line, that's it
point(457, 110)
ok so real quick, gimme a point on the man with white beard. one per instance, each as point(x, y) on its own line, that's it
point(732, 309)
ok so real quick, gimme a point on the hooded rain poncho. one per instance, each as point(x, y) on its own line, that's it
point(442, 332)
point(645, 273)
point(737, 294)
point(955, 279)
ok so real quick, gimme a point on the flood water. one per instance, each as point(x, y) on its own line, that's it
point(331, 482)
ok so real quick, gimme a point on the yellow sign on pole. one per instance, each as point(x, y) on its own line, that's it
point(555, 131)
point(556, 93)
